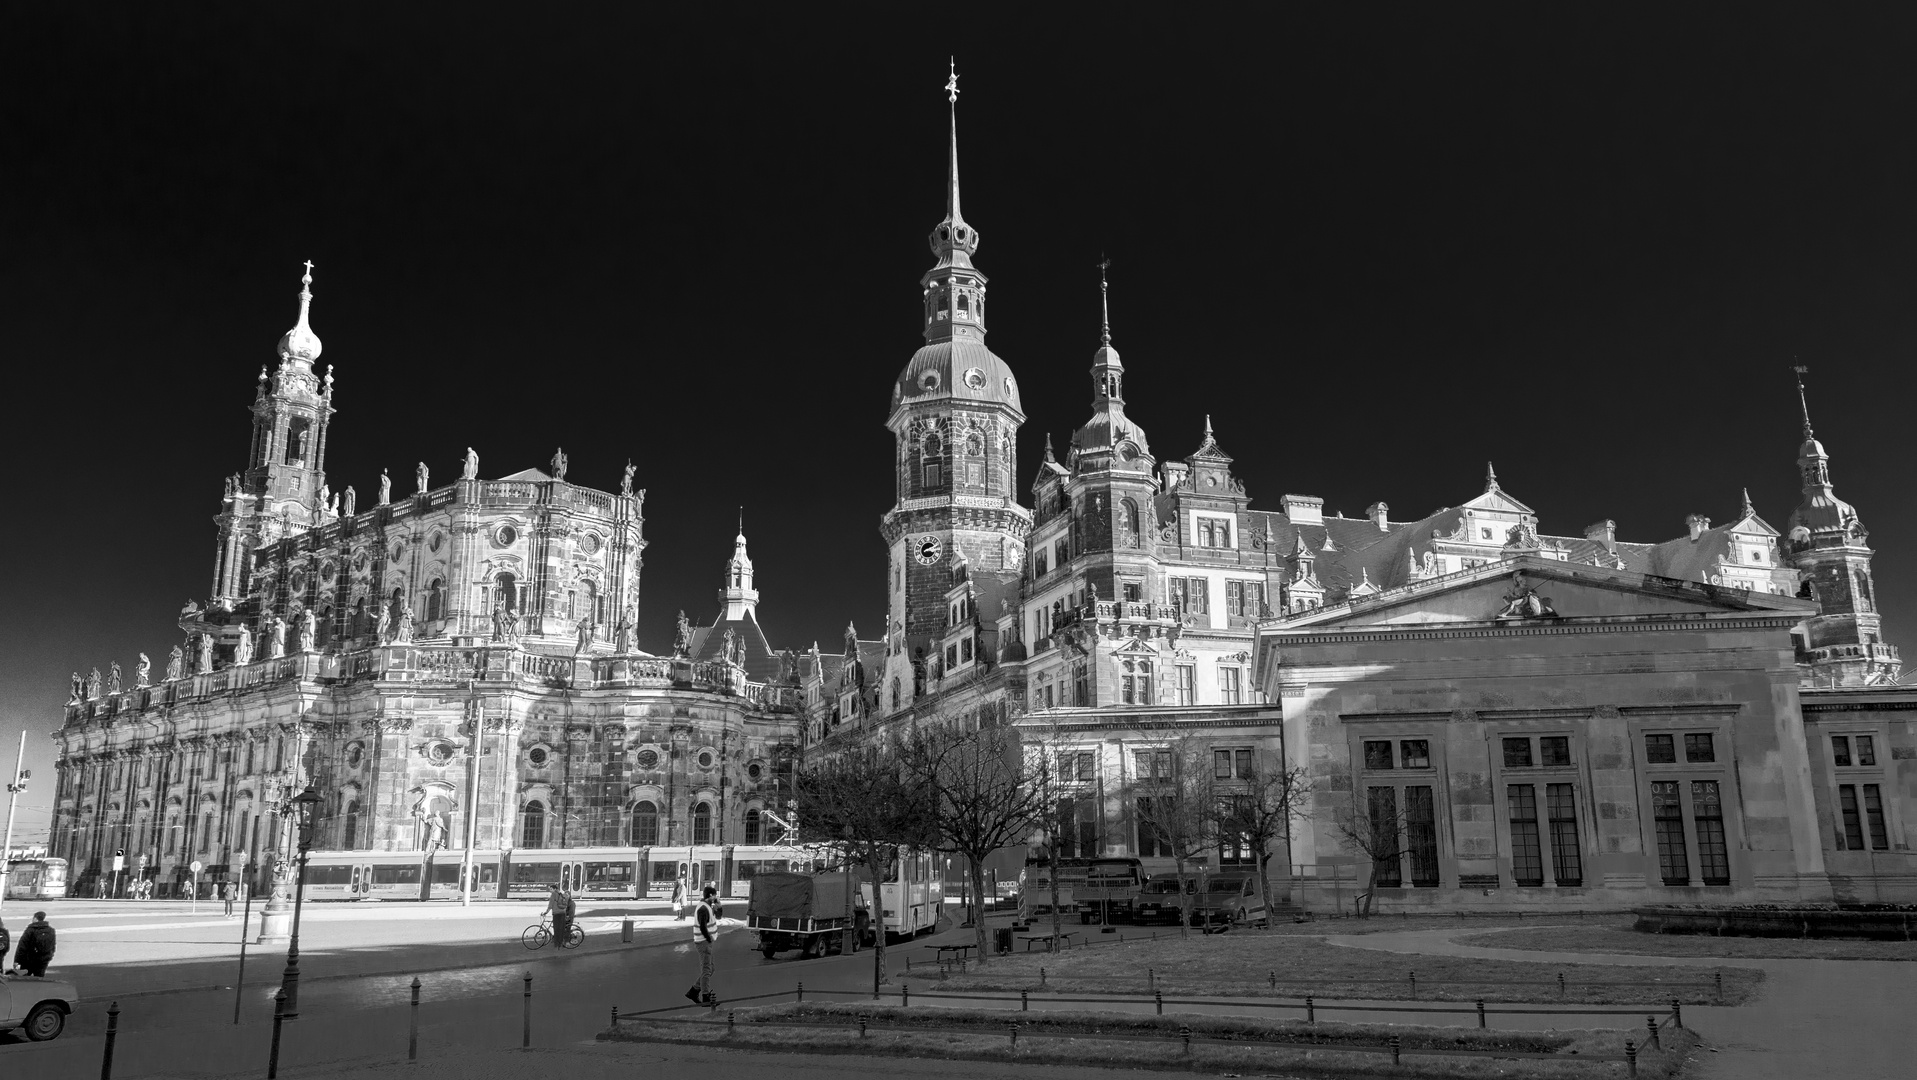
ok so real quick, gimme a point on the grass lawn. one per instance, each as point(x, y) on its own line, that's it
point(1616, 936)
point(1242, 963)
point(1220, 1043)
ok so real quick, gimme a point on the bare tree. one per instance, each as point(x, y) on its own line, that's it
point(984, 790)
point(1376, 829)
point(1257, 810)
point(864, 803)
point(1173, 805)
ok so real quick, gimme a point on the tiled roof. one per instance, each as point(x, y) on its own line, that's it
point(761, 664)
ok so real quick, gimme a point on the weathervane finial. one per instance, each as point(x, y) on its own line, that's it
point(1104, 301)
point(951, 84)
point(1801, 399)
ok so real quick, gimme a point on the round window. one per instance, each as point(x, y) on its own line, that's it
point(538, 756)
point(505, 536)
point(754, 770)
point(591, 544)
point(929, 381)
point(353, 755)
point(439, 753)
point(975, 378)
point(435, 540)
point(705, 759)
point(648, 759)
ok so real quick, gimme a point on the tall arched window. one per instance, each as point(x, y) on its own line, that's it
point(932, 458)
point(436, 600)
point(349, 832)
point(532, 825)
point(702, 823)
point(239, 834)
point(752, 827)
point(645, 824)
point(506, 591)
point(172, 834)
point(206, 832)
point(1130, 511)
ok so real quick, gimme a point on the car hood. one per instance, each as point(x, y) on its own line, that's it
point(47, 988)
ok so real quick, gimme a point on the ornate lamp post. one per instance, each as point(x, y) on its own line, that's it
point(305, 809)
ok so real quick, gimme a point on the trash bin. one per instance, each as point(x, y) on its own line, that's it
point(1002, 940)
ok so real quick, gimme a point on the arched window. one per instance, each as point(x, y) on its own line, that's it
point(349, 832)
point(702, 823)
point(172, 834)
point(505, 591)
point(1130, 511)
point(932, 462)
point(436, 600)
point(645, 824)
point(239, 834)
point(532, 825)
point(206, 832)
point(752, 827)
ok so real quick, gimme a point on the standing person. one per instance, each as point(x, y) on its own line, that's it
point(679, 895)
point(36, 946)
point(705, 928)
point(560, 906)
point(226, 896)
point(5, 939)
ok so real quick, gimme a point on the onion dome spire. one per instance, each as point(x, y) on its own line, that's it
point(300, 346)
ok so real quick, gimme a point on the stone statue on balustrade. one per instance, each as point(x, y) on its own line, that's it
point(383, 625)
point(682, 639)
point(731, 642)
point(622, 632)
point(385, 488)
point(471, 471)
point(79, 690)
point(559, 463)
point(113, 677)
point(584, 643)
point(505, 624)
point(203, 660)
point(142, 673)
point(175, 663)
point(403, 626)
point(93, 684)
point(276, 637)
point(243, 649)
point(305, 636)
point(625, 481)
point(351, 504)
point(422, 474)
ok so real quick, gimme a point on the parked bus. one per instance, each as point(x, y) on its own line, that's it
point(36, 879)
point(911, 896)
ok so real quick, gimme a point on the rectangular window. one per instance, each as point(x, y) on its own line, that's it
point(1176, 587)
point(1377, 754)
point(975, 475)
point(1527, 857)
point(1230, 685)
point(1713, 853)
point(1555, 749)
point(1221, 764)
point(934, 474)
point(1242, 758)
point(1415, 753)
point(1152, 841)
point(1566, 866)
point(1421, 835)
point(1081, 684)
point(1214, 532)
point(1517, 753)
point(1667, 813)
point(1197, 596)
point(1698, 748)
point(1853, 822)
point(1087, 765)
point(1840, 750)
point(1660, 749)
point(1382, 804)
point(1866, 750)
point(1187, 684)
point(1235, 599)
point(1874, 816)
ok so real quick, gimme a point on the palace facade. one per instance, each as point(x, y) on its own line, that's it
point(1574, 720)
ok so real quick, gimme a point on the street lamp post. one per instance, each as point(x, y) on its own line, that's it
point(305, 807)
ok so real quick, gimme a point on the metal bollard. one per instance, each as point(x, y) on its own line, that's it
point(1719, 976)
point(729, 1021)
point(1151, 979)
point(905, 994)
point(1024, 1001)
point(1650, 1024)
point(1041, 976)
point(1184, 1032)
point(1311, 1010)
point(1274, 980)
point(1630, 1058)
point(1677, 1013)
point(861, 1025)
point(625, 931)
point(1014, 1026)
point(1395, 1048)
point(112, 1032)
point(412, 1032)
point(1480, 1012)
point(525, 1033)
point(1159, 996)
point(279, 1016)
point(1414, 986)
point(1560, 984)
point(801, 991)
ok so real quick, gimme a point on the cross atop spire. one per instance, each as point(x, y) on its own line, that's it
point(300, 345)
point(1803, 401)
point(951, 84)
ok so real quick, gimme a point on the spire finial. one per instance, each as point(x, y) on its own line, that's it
point(1747, 509)
point(1802, 400)
point(1207, 425)
point(300, 343)
point(1104, 301)
point(1490, 477)
point(951, 179)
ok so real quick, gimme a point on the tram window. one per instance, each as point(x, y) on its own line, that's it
point(663, 873)
point(396, 875)
point(446, 873)
point(329, 875)
point(488, 874)
point(535, 873)
point(608, 875)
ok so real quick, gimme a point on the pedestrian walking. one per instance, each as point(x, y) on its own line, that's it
point(561, 908)
point(679, 895)
point(226, 896)
point(705, 927)
point(36, 946)
point(6, 939)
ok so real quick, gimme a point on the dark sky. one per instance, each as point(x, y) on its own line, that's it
point(1377, 247)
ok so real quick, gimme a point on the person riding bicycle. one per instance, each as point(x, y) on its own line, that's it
point(561, 908)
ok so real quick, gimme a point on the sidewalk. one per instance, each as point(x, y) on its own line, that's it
point(1845, 1018)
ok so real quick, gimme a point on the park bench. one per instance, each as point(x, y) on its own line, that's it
point(1062, 940)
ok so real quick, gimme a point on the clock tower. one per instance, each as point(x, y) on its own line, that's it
point(955, 418)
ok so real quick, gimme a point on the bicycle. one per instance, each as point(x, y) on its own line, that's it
point(536, 937)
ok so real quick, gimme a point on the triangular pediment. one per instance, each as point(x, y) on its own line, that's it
point(1530, 589)
point(1496, 500)
point(533, 475)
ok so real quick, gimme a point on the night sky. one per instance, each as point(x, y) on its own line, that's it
point(1379, 248)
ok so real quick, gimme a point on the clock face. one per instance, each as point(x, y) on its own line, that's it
point(1013, 556)
point(929, 550)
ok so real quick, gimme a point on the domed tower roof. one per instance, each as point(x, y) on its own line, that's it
point(1821, 511)
point(961, 369)
point(301, 346)
point(1109, 428)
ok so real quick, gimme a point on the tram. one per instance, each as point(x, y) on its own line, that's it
point(36, 879)
point(529, 873)
point(911, 896)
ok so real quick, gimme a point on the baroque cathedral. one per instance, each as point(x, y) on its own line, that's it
point(1573, 720)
